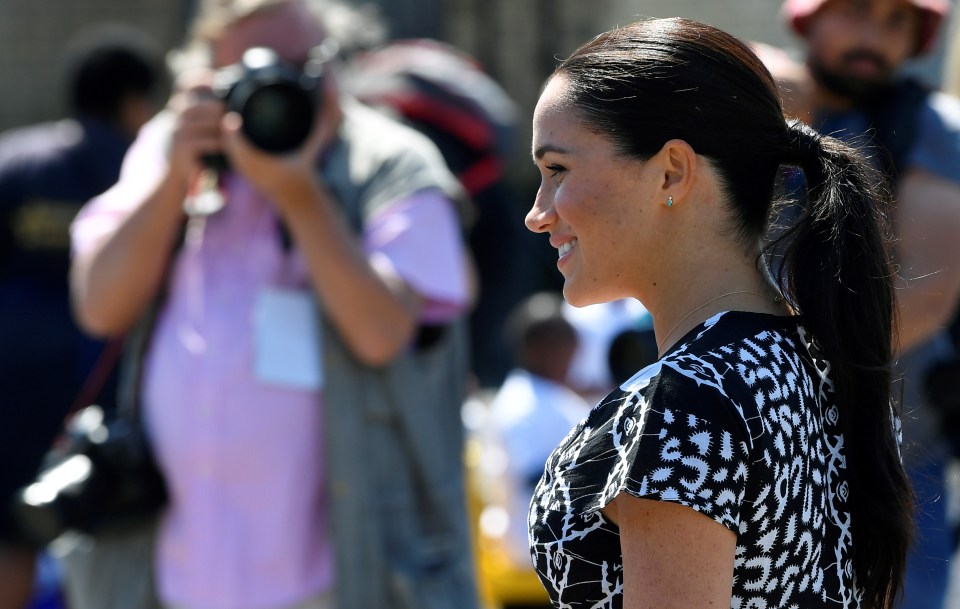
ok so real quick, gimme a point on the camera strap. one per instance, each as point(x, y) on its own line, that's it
point(97, 378)
point(114, 349)
point(92, 385)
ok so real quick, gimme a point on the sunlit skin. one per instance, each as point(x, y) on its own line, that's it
point(862, 40)
point(607, 216)
point(591, 201)
point(374, 310)
point(291, 32)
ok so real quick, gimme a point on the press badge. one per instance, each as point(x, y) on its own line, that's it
point(287, 340)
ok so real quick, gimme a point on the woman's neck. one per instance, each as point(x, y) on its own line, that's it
point(680, 308)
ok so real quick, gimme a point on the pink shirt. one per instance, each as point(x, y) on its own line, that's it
point(247, 525)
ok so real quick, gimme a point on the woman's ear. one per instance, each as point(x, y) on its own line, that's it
point(678, 163)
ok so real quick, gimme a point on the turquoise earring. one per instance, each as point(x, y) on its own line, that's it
point(670, 201)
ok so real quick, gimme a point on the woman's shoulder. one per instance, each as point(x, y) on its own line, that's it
point(688, 392)
point(665, 438)
point(726, 353)
point(655, 436)
point(686, 425)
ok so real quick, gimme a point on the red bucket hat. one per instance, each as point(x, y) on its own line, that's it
point(798, 13)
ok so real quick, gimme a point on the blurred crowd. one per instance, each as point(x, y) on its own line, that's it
point(287, 257)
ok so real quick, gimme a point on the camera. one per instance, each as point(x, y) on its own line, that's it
point(277, 100)
point(103, 477)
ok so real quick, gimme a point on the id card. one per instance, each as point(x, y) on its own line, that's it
point(287, 340)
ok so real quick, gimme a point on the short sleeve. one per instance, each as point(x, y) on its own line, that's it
point(937, 146)
point(417, 238)
point(693, 449)
point(142, 168)
point(669, 437)
point(378, 161)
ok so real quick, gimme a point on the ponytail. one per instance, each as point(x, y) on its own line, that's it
point(839, 276)
point(657, 80)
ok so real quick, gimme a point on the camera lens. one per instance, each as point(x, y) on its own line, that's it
point(278, 117)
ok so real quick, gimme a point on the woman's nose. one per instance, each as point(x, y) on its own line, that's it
point(540, 216)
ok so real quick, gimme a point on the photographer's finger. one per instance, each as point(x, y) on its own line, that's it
point(189, 131)
point(188, 149)
point(231, 129)
point(319, 138)
point(208, 144)
point(194, 79)
point(329, 118)
point(184, 101)
point(202, 112)
point(246, 158)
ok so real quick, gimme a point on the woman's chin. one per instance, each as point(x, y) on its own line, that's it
point(579, 298)
point(579, 295)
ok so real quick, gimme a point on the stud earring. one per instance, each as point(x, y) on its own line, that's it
point(670, 201)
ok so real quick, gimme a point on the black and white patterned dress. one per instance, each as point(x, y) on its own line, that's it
point(736, 422)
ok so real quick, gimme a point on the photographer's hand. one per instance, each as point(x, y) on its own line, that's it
point(113, 282)
point(374, 311)
point(197, 131)
point(272, 174)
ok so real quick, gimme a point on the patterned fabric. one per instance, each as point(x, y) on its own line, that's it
point(737, 423)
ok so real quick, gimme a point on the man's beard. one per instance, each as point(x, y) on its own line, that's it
point(856, 89)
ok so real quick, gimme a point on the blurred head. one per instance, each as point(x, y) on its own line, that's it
point(855, 47)
point(657, 109)
point(930, 13)
point(542, 340)
point(114, 72)
point(224, 29)
point(276, 110)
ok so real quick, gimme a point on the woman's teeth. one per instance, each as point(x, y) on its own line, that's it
point(566, 247)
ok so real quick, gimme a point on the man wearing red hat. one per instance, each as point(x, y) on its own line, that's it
point(849, 86)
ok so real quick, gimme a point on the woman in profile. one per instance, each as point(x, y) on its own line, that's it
point(756, 463)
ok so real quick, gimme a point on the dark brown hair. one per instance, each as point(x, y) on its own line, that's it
point(657, 80)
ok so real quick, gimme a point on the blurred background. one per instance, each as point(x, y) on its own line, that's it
point(517, 41)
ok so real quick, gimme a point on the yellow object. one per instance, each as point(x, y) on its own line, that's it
point(501, 581)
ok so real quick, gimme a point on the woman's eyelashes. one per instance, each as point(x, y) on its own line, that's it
point(555, 170)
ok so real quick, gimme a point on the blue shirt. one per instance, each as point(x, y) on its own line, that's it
point(936, 144)
point(47, 172)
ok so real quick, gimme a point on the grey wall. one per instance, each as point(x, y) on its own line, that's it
point(32, 34)
point(519, 41)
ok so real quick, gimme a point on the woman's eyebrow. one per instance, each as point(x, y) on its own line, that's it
point(544, 149)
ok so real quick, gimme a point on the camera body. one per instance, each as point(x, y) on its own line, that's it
point(277, 101)
point(103, 476)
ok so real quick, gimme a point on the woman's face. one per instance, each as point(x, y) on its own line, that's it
point(596, 205)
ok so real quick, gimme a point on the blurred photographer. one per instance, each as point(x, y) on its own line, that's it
point(303, 381)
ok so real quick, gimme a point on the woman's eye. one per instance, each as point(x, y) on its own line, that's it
point(554, 170)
